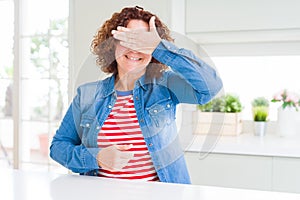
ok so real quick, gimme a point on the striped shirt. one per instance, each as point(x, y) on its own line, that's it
point(120, 128)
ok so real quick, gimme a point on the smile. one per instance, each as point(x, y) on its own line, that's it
point(133, 58)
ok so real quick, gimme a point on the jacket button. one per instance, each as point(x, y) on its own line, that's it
point(168, 106)
point(87, 125)
point(155, 111)
point(150, 144)
point(142, 120)
point(137, 98)
point(109, 106)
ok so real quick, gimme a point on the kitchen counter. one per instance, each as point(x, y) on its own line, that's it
point(247, 144)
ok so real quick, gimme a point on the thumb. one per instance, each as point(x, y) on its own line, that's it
point(152, 24)
point(124, 147)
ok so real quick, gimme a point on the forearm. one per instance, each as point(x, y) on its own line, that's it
point(77, 158)
point(67, 149)
point(202, 78)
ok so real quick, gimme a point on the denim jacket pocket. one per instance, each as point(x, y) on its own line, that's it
point(161, 112)
point(86, 124)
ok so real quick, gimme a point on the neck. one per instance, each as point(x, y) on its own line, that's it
point(125, 82)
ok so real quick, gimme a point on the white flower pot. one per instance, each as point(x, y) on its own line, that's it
point(260, 128)
point(288, 121)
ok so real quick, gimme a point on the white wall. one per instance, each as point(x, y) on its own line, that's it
point(237, 15)
point(247, 27)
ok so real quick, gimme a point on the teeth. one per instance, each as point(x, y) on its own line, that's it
point(133, 58)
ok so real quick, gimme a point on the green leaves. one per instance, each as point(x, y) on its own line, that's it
point(260, 101)
point(229, 103)
point(260, 109)
point(260, 113)
point(287, 98)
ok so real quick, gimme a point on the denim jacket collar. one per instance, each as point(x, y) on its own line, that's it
point(107, 85)
point(141, 82)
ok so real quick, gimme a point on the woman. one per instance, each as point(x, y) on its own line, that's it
point(124, 126)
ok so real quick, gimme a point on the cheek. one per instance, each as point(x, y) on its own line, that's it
point(120, 51)
point(147, 58)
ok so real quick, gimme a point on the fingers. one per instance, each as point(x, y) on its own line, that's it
point(127, 38)
point(143, 39)
point(121, 160)
point(123, 153)
point(123, 33)
point(126, 156)
point(123, 36)
point(115, 157)
point(122, 28)
point(124, 147)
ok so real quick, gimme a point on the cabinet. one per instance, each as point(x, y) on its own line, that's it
point(245, 171)
point(286, 174)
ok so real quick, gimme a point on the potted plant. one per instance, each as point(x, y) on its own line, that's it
point(221, 115)
point(288, 115)
point(260, 112)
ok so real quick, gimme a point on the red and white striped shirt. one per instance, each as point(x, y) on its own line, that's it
point(122, 127)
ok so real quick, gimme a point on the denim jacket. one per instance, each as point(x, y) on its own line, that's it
point(190, 80)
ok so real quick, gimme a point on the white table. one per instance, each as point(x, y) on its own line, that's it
point(21, 185)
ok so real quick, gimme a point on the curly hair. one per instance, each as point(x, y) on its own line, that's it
point(103, 44)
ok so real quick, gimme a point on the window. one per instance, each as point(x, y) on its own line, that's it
point(43, 78)
point(6, 81)
point(253, 76)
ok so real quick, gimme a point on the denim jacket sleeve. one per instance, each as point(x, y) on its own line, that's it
point(194, 81)
point(66, 147)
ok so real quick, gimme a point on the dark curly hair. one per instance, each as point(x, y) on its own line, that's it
point(103, 44)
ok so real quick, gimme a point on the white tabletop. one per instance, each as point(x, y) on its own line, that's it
point(20, 185)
